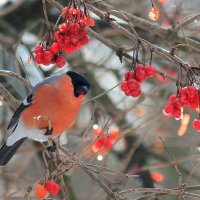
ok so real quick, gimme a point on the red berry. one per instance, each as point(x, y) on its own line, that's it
point(178, 102)
point(129, 75)
point(100, 143)
point(52, 187)
point(82, 24)
point(193, 104)
point(63, 28)
point(172, 98)
point(133, 84)
point(184, 95)
point(84, 40)
point(38, 49)
point(38, 58)
point(150, 71)
point(74, 39)
point(108, 143)
point(123, 85)
point(136, 92)
point(140, 74)
point(176, 113)
point(192, 90)
point(48, 56)
point(168, 109)
point(127, 93)
point(114, 134)
point(83, 31)
point(90, 22)
point(69, 48)
point(76, 28)
point(40, 191)
point(55, 48)
point(196, 124)
point(45, 62)
point(60, 61)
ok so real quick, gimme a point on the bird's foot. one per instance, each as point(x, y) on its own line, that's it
point(52, 148)
point(49, 131)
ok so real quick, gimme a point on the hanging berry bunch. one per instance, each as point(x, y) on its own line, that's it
point(187, 96)
point(50, 187)
point(70, 35)
point(104, 142)
point(131, 85)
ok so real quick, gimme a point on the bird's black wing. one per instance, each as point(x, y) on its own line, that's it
point(15, 118)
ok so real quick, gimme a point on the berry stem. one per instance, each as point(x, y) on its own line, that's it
point(45, 14)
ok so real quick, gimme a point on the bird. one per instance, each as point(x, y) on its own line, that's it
point(50, 108)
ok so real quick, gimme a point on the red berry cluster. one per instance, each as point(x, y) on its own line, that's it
point(72, 33)
point(131, 85)
point(46, 56)
point(188, 96)
point(104, 142)
point(70, 36)
point(50, 187)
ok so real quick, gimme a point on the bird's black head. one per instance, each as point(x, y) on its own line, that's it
point(80, 83)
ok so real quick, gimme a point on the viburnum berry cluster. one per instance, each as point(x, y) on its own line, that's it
point(104, 142)
point(70, 36)
point(50, 186)
point(186, 97)
point(131, 86)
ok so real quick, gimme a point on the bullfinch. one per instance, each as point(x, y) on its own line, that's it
point(49, 109)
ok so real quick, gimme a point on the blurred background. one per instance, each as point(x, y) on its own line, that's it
point(138, 124)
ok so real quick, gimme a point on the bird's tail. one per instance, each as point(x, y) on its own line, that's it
point(7, 152)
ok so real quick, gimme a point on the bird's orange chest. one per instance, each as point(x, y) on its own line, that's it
point(57, 103)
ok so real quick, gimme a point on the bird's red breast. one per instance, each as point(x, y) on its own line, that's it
point(56, 101)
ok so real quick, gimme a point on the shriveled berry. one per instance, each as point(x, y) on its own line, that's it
point(40, 191)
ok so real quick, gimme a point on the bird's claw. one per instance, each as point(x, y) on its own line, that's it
point(52, 147)
point(49, 131)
